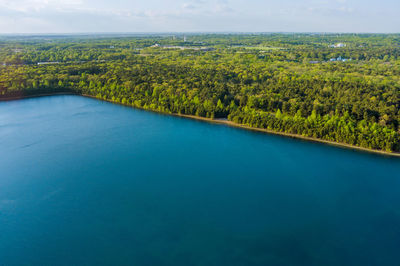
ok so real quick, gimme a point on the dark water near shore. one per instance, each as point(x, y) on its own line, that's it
point(85, 182)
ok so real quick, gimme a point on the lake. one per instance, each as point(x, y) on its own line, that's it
point(87, 182)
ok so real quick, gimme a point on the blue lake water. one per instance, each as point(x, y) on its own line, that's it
point(86, 182)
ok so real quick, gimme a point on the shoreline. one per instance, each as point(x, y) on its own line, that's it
point(226, 123)
point(15, 98)
point(288, 135)
point(262, 130)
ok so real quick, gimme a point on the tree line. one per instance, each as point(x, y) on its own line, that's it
point(353, 102)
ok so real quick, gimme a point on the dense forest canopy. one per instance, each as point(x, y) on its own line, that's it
point(336, 87)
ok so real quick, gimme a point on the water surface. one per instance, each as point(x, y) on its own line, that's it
point(86, 182)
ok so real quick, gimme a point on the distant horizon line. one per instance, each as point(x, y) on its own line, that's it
point(189, 32)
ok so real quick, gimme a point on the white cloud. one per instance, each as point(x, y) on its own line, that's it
point(331, 11)
point(28, 6)
point(193, 15)
point(189, 6)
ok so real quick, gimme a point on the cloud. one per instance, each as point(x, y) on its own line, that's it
point(222, 8)
point(331, 11)
point(189, 6)
point(28, 6)
point(51, 16)
point(205, 8)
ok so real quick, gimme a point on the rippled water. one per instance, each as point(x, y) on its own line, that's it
point(85, 182)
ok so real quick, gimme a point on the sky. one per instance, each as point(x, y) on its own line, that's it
point(84, 16)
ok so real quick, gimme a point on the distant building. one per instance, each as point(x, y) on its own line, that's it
point(338, 45)
point(184, 38)
point(339, 59)
point(47, 63)
point(207, 49)
point(155, 45)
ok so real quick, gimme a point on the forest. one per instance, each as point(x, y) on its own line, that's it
point(337, 87)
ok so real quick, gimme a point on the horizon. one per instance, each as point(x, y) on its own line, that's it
point(167, 33)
